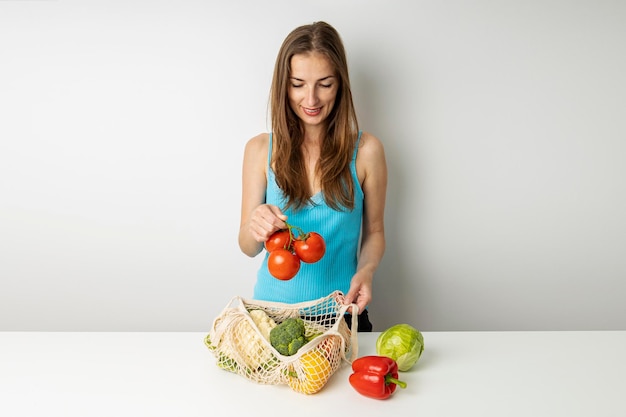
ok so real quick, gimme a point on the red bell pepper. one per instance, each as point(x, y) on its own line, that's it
point(375, 376)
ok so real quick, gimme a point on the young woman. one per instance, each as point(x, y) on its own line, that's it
point(316, 170)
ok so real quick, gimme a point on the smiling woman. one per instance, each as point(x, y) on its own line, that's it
point(313, 89)
point(320, 171)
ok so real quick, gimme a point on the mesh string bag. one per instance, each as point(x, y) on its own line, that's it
point(241, 344)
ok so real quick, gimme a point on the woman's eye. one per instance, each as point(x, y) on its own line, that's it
point(297, 85)
point(326, 85)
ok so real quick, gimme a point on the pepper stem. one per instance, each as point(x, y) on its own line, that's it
point(391, 380)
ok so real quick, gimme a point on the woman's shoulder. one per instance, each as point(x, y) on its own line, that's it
point(370, 160)
point(370, 144)
point(258, 143)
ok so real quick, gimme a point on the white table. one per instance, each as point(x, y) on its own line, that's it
point(484, 374)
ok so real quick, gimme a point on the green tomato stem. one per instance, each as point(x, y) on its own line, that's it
point(291, 227)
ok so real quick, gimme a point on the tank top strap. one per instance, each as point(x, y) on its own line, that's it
point(356, 148)
point(269, 151)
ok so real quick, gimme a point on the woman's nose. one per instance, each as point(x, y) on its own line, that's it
point(311, 97)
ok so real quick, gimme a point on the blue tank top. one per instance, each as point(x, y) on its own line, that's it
point(341, 230)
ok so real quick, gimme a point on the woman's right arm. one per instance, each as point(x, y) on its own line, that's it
point(258, 220)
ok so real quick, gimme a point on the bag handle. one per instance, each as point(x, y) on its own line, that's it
point(353, 333)
point(231, 313)
point(354, 328)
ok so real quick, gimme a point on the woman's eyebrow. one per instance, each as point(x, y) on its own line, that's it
point(321, 79)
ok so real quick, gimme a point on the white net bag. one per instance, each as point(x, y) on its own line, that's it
point(240, 341)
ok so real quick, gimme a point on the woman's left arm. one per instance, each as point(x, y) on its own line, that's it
point(372, 171)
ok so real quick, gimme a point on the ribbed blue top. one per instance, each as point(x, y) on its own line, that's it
point(341, 231)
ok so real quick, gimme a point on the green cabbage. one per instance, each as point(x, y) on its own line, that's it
point(402, 343)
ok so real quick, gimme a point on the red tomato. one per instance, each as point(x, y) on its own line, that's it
point(278, 240)
point(283, 264)
point(311, 248)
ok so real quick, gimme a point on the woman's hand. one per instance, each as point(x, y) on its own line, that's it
point(360, 292)
point(264, 221)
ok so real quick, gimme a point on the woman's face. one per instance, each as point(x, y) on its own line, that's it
point(312, 87)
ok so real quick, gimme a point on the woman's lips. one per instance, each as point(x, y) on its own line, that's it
point(312, 112)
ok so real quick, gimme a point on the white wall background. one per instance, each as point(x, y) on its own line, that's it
point(122, 127)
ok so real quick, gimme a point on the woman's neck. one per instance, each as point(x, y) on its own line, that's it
point(313, 135)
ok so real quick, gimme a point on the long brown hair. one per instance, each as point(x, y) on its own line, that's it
point(342, 128)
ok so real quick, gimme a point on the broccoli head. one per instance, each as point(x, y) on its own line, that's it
point(288, 336)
